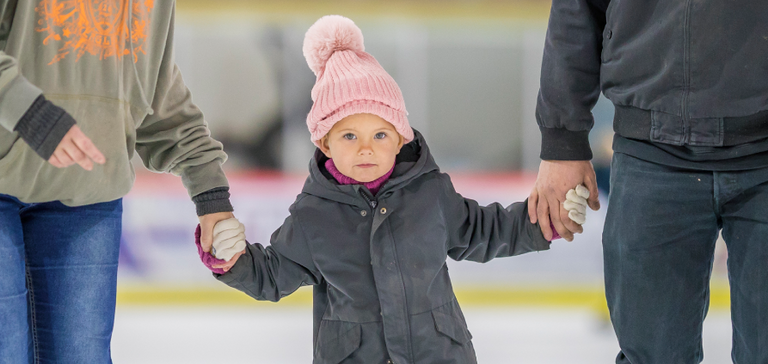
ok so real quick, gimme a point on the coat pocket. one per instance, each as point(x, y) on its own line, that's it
point(450, 322)
point(336, 340)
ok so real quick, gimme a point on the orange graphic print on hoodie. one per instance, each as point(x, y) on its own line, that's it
point(107, 28)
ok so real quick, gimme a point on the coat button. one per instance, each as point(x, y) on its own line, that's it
point(389, 361)
point(609, 34)
point(383, 210)
point(363, 213)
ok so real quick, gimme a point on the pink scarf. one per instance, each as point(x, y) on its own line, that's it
point(373, 186)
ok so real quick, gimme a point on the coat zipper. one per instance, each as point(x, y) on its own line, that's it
point(370, 202)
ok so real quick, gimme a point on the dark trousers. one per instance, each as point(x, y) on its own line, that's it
point(658, 246)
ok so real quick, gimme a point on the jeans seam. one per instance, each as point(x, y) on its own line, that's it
point(32, 316)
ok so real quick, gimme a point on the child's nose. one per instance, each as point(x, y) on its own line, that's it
point(366, 149)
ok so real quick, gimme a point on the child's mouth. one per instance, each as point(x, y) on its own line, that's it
point(366, 165)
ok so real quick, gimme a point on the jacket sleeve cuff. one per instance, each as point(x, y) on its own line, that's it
point(43, 126)
point(563, 144)
point(239, 271)
point(212, 201)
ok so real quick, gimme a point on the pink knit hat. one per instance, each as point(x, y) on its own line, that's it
point(349, 80)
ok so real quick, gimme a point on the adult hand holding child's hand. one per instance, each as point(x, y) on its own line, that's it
point(545, 204)
point(220, 233)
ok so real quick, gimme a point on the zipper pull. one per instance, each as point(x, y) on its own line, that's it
point(370, 202)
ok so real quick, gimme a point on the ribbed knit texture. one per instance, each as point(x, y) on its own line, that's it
point(212, 201)
point(343, 179)
point(350, 82)
point(43, 126)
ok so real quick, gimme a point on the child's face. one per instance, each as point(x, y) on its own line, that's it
point(362, 146)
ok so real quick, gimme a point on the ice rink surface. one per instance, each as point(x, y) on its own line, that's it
point(277, 335)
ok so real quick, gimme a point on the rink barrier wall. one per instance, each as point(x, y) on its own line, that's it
point(551, 296)
point(289, 10)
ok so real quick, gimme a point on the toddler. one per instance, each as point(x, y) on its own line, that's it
point(374, 223)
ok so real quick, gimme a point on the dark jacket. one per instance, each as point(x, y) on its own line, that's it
point(680, 72)
point(382, 289)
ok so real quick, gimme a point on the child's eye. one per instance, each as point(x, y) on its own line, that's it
point(381, 135)
point(349, 136)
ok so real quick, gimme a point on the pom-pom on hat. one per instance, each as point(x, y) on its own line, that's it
point(349, 80)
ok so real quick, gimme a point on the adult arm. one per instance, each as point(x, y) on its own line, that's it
point(570, 87)
point(174, 138)
point(49, 130)
point(481, 233)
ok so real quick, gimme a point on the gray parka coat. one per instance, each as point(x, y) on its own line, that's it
point(382, 292)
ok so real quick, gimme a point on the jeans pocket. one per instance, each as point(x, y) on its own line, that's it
point(450, 322)
point(336, 340)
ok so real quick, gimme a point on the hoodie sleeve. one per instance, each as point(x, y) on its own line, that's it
point(24, 109)
point(481, 233)
point(175, 137)
point(17, 94)
point(570, 78)
point(273, 272)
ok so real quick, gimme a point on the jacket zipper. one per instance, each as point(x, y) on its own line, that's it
point(370, 202)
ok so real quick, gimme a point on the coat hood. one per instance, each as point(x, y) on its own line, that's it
point(413, 161)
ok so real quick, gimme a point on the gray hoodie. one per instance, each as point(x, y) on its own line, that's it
point(110, 66)
point(378, 263)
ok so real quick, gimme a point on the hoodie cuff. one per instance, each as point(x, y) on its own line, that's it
point(43, 126)
point(212, 201)
point(565, 145)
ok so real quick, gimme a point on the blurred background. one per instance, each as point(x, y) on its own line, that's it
point(469, 72)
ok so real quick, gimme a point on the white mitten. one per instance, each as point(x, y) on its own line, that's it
point(228, 238)
point(576, 204)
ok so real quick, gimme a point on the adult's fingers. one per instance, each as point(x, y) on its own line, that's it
point(78, 156)
point(555, 216)
point(86, 145)
point(207, 224)
point(206, 236)
point(533, 200)
point(55, 161)
point(63, 157)
point(542, 211)
point(593, 201)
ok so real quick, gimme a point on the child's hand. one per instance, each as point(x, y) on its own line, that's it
point(228, 239)
point(576, 204)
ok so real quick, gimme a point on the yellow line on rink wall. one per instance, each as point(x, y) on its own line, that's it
point(477, 296)
point(287, 10)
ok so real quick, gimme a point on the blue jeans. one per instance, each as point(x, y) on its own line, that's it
point(58, 281)
point(658, 247)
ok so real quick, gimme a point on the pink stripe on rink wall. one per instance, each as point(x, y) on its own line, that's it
point(248, 183)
